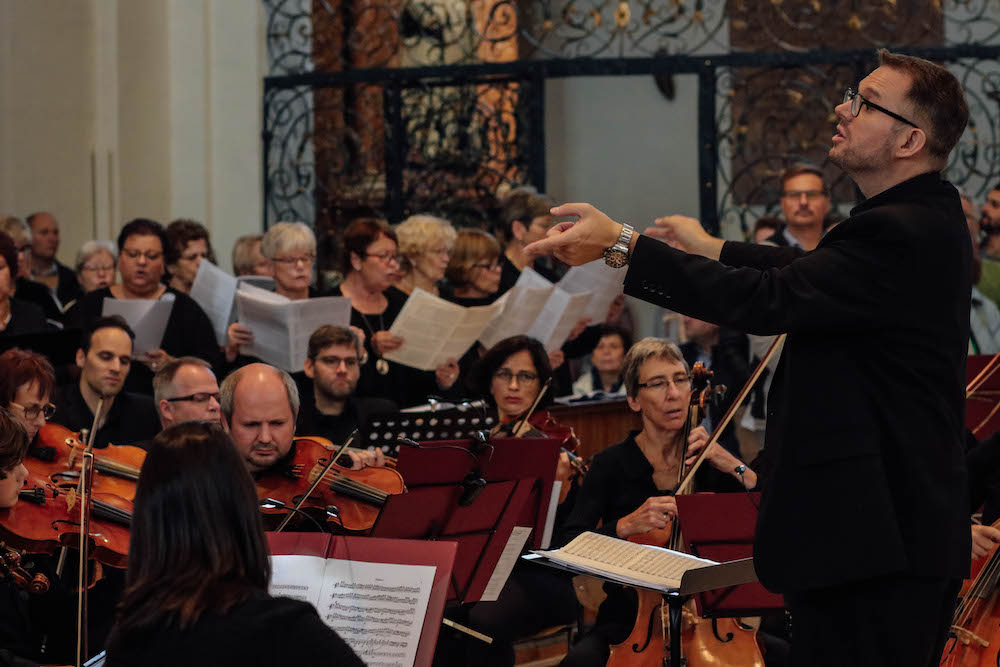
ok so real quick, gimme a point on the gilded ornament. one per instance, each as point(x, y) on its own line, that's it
point(596, 15)
point(623, 15)
point(698, 17)
point(547, 25)
point(854, 23)
point(795, 96)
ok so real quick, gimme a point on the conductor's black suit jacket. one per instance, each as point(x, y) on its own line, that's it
point(865, 414)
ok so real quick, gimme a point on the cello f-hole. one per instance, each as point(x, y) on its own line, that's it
point(715, 631)
point(649, 631)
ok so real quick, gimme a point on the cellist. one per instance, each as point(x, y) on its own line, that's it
point(627, 489)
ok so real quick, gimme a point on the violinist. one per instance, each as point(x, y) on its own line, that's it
point(27, 382)
point(104, 360)
point(511, 374)
point(627, 490)
point(185, 389)
point(197, 584)
point(259, 406)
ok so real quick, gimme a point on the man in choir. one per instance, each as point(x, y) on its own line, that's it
point(104, 360)
point(878, 323)
point(27, 289)
point(185, 390)
point(44, 268)
point(331, 409)
point(805, 202)
point(259, 406)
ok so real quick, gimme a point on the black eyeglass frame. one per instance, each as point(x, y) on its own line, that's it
point(857, 100)
point(193, 397)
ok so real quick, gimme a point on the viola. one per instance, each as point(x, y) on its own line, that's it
point(11, 568)
point(975, 630)
point(58, 452)
point(704, 642)
point(46, 519)
point(357, 496)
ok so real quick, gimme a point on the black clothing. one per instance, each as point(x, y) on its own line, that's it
point(37, 294)
point(188, 332)
point(510, 273)
point(26, 318)
point(730, 367)
point(403, 385)
point(132, 419)
point(878, 327)
point(263, 631)
point(336, 428)
point(67, 286)
point(892, 621)
point(983, 460)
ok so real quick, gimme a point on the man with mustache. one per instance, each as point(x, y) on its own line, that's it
point(804, 204)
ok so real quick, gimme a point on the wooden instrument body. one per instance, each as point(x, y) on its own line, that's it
point(975, 639)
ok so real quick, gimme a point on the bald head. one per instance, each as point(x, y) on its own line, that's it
point(44, 235)
point(185, 389)
point(259, 405)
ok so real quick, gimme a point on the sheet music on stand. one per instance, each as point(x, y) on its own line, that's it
point(383, 430)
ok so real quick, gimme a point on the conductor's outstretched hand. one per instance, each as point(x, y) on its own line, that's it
point(579, 242)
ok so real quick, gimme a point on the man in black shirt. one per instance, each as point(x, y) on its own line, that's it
point(329, 407)
point(104, 360)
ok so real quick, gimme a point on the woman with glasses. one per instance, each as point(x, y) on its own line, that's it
point(17, 315)
point(187, 245)
point(627, 489)
point(27, 384)
point(95, 266)
point(196, 588)
point(473, 272)
point(425, 243)
point(189, 332)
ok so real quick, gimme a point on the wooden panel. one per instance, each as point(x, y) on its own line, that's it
point(597, 424)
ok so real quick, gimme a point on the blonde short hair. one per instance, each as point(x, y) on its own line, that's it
point(287, 237)
point(420, 233)
point(243, 254)
point(472, 246)
point(17, 229)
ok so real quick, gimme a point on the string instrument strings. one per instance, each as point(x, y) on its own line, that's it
point(316, 482)
point(684, 486)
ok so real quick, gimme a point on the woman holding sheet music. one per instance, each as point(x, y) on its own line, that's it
point(198, 572)
point(371, 268)
point(628, 489)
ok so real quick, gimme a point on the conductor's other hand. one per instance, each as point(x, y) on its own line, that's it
point(687, 234)
point(577, 243)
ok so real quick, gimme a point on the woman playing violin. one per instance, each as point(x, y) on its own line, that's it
point(627, 489)
point(198, 573)
point(27, 383)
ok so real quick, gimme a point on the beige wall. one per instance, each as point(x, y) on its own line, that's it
point(116, 109)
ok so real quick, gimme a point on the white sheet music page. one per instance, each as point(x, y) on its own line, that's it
point(599, 280)
point(215, 291)
point(511, 552)
point(626, 562)
point(377, 608)
point(435, 330)
point(560, 314)
point(147, 317)
point(297, 577)
point(521, 307)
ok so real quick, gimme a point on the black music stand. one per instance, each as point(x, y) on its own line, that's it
point(383, 430)
point(462, 491)
point(720, 527)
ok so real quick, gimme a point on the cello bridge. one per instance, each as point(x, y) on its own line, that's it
point(967, 636)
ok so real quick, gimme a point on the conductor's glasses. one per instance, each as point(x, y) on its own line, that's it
point(857, 100)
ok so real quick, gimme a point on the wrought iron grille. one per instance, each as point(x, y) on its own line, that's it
point(391, 107)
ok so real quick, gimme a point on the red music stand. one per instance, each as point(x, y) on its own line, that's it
point(984, 400)
point(518, 477)
point(372, 550)
point(720, 527)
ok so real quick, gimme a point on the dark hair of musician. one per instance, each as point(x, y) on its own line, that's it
point(142, 227)
point(182, 231)
point(9, 253)
point(19, 367)
point(106, 322)
point(481, 376)
point(614, 330)
point(360, 234)
point(197, 541)
point(330, 334)
point(13, 442)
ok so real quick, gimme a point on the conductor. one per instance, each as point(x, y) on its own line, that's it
point(863, 522)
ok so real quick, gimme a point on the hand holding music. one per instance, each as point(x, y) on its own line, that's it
point(651, 515)
point(155, 359)
point(237, 336)
point(371, 457)
point(577, 243)
point(984, 540)
point(447, 374)
point(556, 358)
point(383, 342)
point(359, 333)
point(578, 328)
point(687, 234)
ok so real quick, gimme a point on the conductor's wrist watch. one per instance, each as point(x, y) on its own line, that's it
point(617, 255)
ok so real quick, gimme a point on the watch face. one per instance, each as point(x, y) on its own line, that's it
point(615, 258)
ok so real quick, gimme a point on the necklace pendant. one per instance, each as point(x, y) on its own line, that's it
point(382, 366)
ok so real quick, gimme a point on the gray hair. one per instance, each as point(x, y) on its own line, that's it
point(643, 351)
point(91, 248)
point(287, 236)
point(17, 229)
point(242, 257)
point(163, 381)
point(419, 233)
point(227, 390)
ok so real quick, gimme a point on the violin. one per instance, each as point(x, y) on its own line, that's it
point(58, 453)
point(345, 499)
point(975, 629)
point(723, 641)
